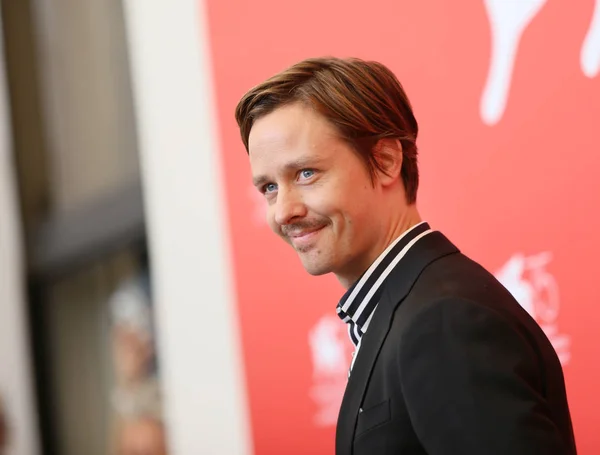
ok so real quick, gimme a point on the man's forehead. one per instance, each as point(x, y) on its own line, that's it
point(290, 126)
point(275, 153)
point(282, 125)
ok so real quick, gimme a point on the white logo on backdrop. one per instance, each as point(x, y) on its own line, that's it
point(508, 21)
point(536, 290)
point(330, 349)
point(590, 51)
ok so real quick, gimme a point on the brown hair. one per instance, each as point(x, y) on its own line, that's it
point(362, 99)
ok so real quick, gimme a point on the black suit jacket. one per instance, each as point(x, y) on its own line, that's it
point(452, 365)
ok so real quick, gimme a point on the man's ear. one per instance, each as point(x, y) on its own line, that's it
point(388, 154)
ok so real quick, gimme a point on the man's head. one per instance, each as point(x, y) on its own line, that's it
point(142, 436)
point(332, 146)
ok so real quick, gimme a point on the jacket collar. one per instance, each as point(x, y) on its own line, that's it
point(358, 304)
point(398, 284)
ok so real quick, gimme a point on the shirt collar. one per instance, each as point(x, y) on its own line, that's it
point(358, 304)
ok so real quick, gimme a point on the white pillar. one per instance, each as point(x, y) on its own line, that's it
point(198, 337)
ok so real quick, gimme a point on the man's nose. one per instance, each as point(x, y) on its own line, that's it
point(289, 206)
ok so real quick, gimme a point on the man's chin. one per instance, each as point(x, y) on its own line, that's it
point(314, 268)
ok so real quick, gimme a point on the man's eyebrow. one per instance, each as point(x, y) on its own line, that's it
point(295, 165)
point(260, 180)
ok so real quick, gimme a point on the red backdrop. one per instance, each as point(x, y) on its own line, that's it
point(512, 179)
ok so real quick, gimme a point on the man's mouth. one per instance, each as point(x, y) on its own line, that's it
point(305, 237)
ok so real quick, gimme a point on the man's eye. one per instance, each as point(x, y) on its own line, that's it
point(269, 188)
point(307, 173)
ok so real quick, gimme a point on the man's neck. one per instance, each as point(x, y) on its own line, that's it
point(397, 226)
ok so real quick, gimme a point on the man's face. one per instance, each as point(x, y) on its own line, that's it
point(320, 196)
point(144, 436)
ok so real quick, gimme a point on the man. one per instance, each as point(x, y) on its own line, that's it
point(142, 435)
point(446, 360)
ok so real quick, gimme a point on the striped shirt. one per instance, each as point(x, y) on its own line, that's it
point(358, 304)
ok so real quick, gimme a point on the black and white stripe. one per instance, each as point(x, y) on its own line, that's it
point(358, 304)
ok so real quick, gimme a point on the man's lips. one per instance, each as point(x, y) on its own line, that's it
point(304, 237)
point(304, 233)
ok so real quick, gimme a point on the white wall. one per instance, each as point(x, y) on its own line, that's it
point(86, 104)
point(15, 371)
point(200, 356)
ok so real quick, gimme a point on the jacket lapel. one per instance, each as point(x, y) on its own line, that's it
point(431, 247)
